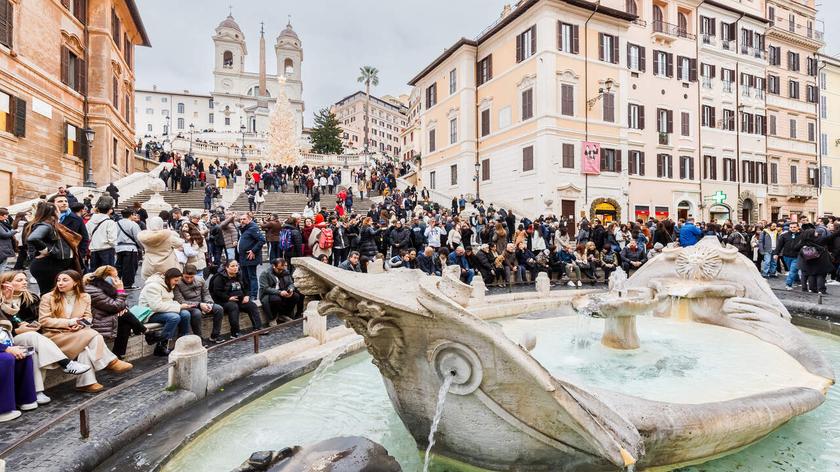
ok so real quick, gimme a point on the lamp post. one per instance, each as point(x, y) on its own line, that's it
point(608, 84)
point(477, 181)
point(242, 149)
point(90, 134)
point(192, 129)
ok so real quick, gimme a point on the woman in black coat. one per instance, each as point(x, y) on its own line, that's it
point(367, 242)
point(814, 261)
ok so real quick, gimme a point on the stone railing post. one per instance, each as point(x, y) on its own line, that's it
point(479, 290)
point(190, 369)
point(2, 465)
point(543, 283)
point(314, 324)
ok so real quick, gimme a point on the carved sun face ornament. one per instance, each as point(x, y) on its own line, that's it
point(699, 263)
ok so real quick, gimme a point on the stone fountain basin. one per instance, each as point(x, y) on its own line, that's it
point(631, 302)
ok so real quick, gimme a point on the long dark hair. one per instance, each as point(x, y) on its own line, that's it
point(45, 213)
point(170, 274)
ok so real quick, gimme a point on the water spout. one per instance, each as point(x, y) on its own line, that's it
point(328, 361)
point(444, 389)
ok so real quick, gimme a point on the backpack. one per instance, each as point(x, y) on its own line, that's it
point(325, 239)
point(285, 239)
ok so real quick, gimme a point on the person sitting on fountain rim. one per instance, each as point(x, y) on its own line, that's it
point(352, 262)
point(278, 294)
point(632, 257)
point(230, 290)
point(192, 290)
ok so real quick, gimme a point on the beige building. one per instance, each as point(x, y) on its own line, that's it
point(65, 67)
point(410, 136)
point(388, 119)
point(829, 128)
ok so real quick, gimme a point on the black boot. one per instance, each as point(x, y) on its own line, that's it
point(152, 337)
point(161, 349)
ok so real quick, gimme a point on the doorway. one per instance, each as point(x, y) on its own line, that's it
point(683, 210)
point(606, 212)
point(746, 210)
point(567, 210)
point(719, 214)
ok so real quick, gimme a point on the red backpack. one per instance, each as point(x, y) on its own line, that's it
point(325, 239)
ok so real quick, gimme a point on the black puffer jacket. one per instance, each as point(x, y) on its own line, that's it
point(105, 304)
point(367, 241)
point(222, 287)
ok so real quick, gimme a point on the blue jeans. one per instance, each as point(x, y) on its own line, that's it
point(173, 323)
point(793, 270)
point(250, 272)
point(273, 250)
point(768, 265)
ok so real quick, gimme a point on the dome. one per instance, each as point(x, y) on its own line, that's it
point(288, 32)
point(229, 22)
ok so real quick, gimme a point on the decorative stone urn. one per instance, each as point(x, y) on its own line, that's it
point(155, 204)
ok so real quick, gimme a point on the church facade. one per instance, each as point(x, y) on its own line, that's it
point(239, 97)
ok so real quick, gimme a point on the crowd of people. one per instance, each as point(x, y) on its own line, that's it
point(85, 259)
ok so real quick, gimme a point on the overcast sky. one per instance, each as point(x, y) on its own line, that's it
point(399, 37)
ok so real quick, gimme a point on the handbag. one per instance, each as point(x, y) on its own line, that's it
point(142, 313)
point(810, 253)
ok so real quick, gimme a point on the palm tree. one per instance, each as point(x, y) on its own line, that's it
point(368, 75)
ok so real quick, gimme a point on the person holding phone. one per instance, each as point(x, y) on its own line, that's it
point(65, 317)
point(19, 311)
point(193, 291)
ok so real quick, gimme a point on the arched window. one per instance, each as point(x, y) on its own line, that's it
point(289, 67)
point(657, 19)
point(180, 108)
point(682, 24)
point(227, 59)
point(631, 7)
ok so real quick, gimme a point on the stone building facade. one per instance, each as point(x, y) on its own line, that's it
point(65, 66)
point(388, 119)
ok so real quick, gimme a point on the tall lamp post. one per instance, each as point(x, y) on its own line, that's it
point(477, 181)
point(242, 149)
point(192, 129)
point(90, 134)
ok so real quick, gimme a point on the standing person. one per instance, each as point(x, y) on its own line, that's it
point(103, 235)
point(231, 235)
point(788, 248)
point(19, 224)
point(767, 243)
point(108, 306)
point(128, 247)
point(159, 245)
point(689, 233)
point(316, 199)
point(159, 297)
point(259, 199)
point(272, 226)
point(278, 294)
point(208, 197)
point(65, 317)
point(7, 234)
point(49, 252)
point(291, 240)
point(230, 290)
point(814, 262)
point(114, 192)
point(192, 290)
point(367, 242)
point(250, 252)
point(321, 240)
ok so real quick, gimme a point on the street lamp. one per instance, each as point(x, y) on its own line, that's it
point(242, 150)
point(608, 84)
point(477, 181)
point(90, 134)
point(192, 129)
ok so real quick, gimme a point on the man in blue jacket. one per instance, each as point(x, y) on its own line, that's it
point(458, 258)
point(251, 242)
point(689, 233)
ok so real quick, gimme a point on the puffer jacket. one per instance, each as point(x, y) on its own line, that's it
point(160, 250)
point(230, 232)
point(105, 304)
point(157, 297)
point(367, 241)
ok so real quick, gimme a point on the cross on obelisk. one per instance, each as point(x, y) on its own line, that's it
point(230, 10)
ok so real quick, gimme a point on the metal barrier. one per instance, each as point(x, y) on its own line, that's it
point(83, 408)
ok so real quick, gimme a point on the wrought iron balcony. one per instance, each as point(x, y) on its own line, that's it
point(669, 29)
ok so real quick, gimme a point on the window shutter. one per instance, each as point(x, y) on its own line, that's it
point(679, 67)
point(559, 35)
point(641, 117)
point(609, 107)
point(669, 64)
point(670, 121)
point(618, 160)
point(615, 55)
point(658, 120)
point(642, 59)
point(629, 114)
point(691, 168)
point(628, 55)
point(519, 48)
point(683, 169)
point(6, 23)
point(712, 26)
point(65, 65)
point(659, 159)
point(567, 102)
point(19, 105)
point(81, 76)
point(534, 39)
point(575, 39)
point(692, 71)
point(641, 169)
point(489, 67)
point(600, 46)
point(684, 124)
point(80, 11)
point(712, 70)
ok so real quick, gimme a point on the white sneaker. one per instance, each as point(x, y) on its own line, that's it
point(579, 284)
point(76, 368)
point(42, 399)
point(9, 415)
point(788, 287)
point(28, 406)
point(832, 282)
point(571, 284)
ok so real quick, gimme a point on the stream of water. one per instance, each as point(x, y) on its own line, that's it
point(441, 399)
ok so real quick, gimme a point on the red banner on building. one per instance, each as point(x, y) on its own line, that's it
point(591, 158)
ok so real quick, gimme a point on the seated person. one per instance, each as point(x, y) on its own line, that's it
point(229, 289)
point(159, 297)
point(65, 317)
point(426, 261)
point(632, 257)
point(192, 291)
point(17, 385)
point(278, 295)
point(458, 258)
point(484, 263)
point(352, 262)
point(19, 308)
point(111, 317)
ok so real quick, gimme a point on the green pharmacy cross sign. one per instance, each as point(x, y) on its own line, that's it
point(719, 197)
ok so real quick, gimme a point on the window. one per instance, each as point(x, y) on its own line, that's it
point(664, 166)
point(128, 51)
point(485, 122)
point(149, 128)
point(729, 170)
point(73, 70)
point(527, 158)
point(164, 112)
point(707, 73)
point(210, 118)
point(773, 84)
point(485, 70)
point(73, 140)
point(610, 160)
point(432, 180)
point(568, 38)
point(792, 128)
point(485, 169)
point(431, 140)
point(453, 174)
point(793, 89)
point(707, 28)
point(636, 163)
point(812, 131)
point(567, 100)
point(12, 115)
point(746, 123)
point(663, 64)
point(608, 48)
point(728, 122)
point(825, 176)
point(686, 69)
point(568, 156)
point(727, 33)
point(686, 167)
point(710, 167)
point(527, 104)
point(775, 53)
point(760, 125)
point(708, 116)
point(664, 121)
point(823, 107)
point(823, 144)
point(658, 18)
point(431, 96)
point(453, 81)
point(127, 108)
point(526, 44)
point(685, 126)
point(609, 107)
point(227, 60)
point(453, 130)
point(772, 124)
point(793, 177)
point(682, 25)
point(181, 108)
point(774, 173)
point(116, 32)
point(636, 116)
point(727, 76)
point(811, 93)
point(114, 152)
point(630, 7)
point(115, 92)
point(180, 123)
point(793, 61)
point(635, 57)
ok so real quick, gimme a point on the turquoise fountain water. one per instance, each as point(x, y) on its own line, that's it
point(350, 399)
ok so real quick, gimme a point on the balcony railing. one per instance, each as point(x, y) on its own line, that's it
point(708, 39)
point(664, 138)
point(802, 191)
point(706, 82)
point(804, 31)
point(727, 87)
point(727, 45)
point(671, 30)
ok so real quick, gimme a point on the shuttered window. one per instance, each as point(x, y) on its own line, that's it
point(116, 29)
point(567, 100)
point(73, 71)
point(12, 115)
point(710, 167)
point(609, 107)
point(664, 166)
point(6, 22)
point(610, 160)
point(485, 169)
point(636, 163)
point(73, 137)
point(568, 156)
point(526, 44)
point(527, 104)
point(568, 38)
point(685, 124)
point(527, 158)
point(485, 70)
point(687, 167)
point(485, 122)
point(608, 48)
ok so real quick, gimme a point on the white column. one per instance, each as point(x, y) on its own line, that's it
point(190, 369)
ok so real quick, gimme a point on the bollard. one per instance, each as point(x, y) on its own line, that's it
point(543, 283)
point(314, 324)
point(2, 465)
point(190, 369)
point(479, 290)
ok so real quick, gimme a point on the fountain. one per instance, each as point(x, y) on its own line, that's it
point(710, 308)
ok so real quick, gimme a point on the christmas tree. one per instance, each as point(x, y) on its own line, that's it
point(283, 132)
